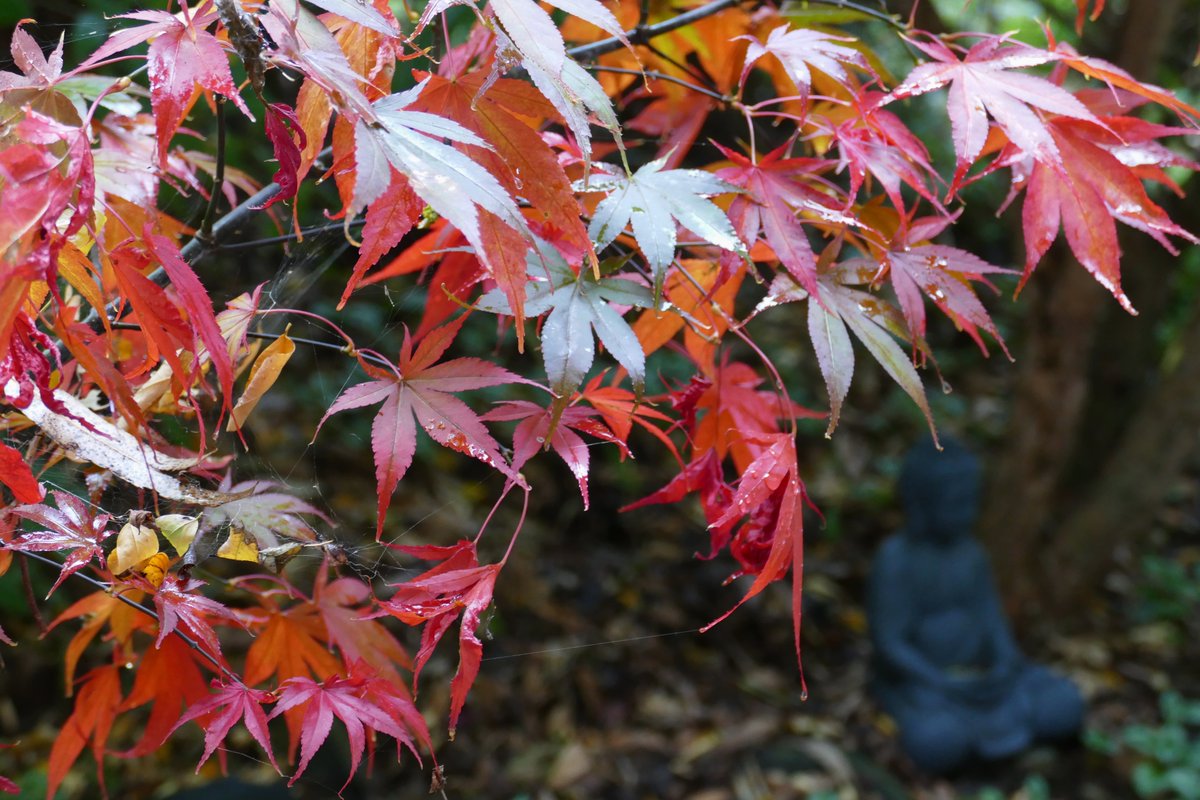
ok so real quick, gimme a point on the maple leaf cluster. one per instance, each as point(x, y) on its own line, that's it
point(508, 178)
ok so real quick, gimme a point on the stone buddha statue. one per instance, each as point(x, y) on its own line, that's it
point(946, 666)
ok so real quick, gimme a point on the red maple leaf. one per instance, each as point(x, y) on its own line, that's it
point(737, 413)
point(621, 408)
point(36, 70)
point(872, 140)
point(284, 129)
point(96, 706)
point(388, 219)
point(47, 171)
point(421, 393)
point(1090, 188)
point(182, 56)
point(195, 300)
point(776, 189)
point(771, 484)
point(435, 598)
point(362, 704)
point(179, 605)
point(72, 526)
point(24, 369)
point(538, 428)
point(522, 161)
point(982, 83)
point(168, 676)
point(803, 49)
point(18, 477)
point(704, 477)
point(360, 640)
point(218, 713)
point(294, 643)
point(939, 272)
point(97, 610)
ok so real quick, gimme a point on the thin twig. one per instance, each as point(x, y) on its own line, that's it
point(688, 68)
point(641, 35)
point(206, 226)
point(197, 247)
point(366, 355)
point(31, 598)
point(192, 643)
point(288, 237)
point(891, 19)
point(661, 77)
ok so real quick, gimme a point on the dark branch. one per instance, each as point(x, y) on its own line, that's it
point(30, 598)
point(218, 174)
point(643, 34)
point(197, 247)
point(661, 77)
point(288, 237)
point(150, 612)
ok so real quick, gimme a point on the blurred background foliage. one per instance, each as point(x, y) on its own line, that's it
point(596, 683)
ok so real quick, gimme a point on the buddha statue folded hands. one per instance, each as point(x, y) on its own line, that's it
point(946, 666)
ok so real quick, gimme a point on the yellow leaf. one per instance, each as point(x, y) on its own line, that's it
point(156, 568)
point(263, 374)
point(135, 544)
point(179, 529)
point(74, 265)
point(239, 547)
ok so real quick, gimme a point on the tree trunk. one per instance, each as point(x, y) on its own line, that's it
point(1135, 480)
point(1082, 370)
point(1063, 306)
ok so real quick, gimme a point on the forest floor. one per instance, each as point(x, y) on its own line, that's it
point(590, 689)
point(597, 684)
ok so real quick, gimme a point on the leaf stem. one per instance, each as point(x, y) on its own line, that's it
point(206, 227)
point(369, 355)
point(30, 598)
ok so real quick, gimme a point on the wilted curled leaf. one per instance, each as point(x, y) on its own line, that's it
point(135, 544)
point(263, 374)
point(239, 547)
point(89, 437)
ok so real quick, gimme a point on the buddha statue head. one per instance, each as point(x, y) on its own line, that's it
point(940, 491)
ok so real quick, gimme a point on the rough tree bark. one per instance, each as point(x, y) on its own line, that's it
point(1093, 440)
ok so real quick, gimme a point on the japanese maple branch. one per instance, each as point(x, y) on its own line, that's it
point(661, 77)
point(641, 34)
point(30, 598)
point(289, 237)
point(192, 643)
point(228, 223)
point(346, 349)
point(891, 19)
point(206, 226)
